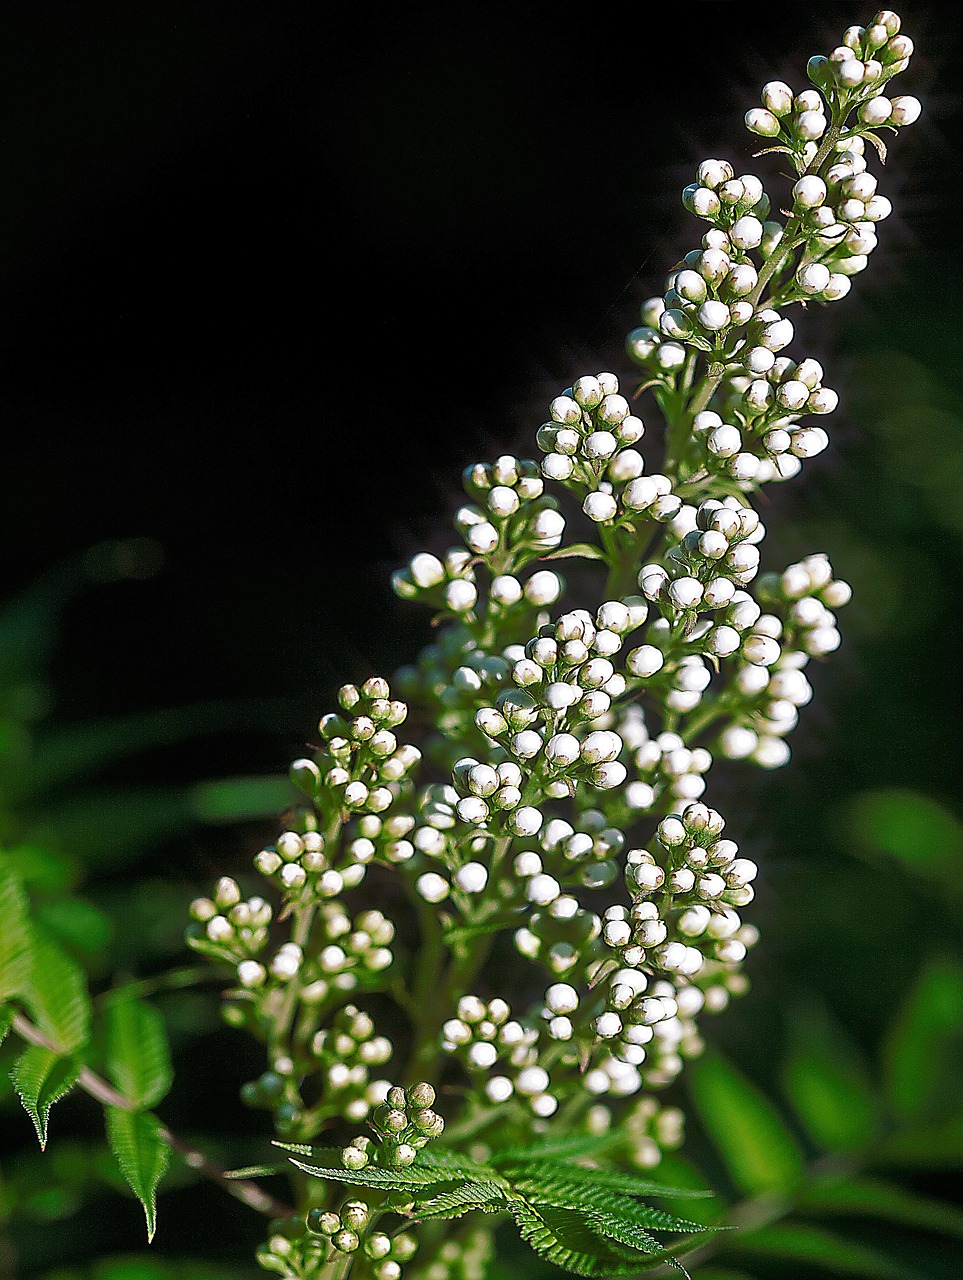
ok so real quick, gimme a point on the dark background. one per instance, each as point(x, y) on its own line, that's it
point(271, 275)
point(269, 279)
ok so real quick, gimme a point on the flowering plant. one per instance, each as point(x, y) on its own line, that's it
point(558, 906)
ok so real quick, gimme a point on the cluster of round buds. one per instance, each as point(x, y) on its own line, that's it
point(298, 859)
point(589, 437)
point(362, 767)
point(866, 59)
point(402, 1124)
point(485, 1037)
point(710, 293)
point(668, 770)
point(512, 510)
point(662, 357)
point(351, 953)
point(562, 936)
point(229, 927)
point(349, 1231)
point(715, 558)
point(491, 797)
point(345, 1052)
point(806, 594)
point(799, 120)
point(721, 198)
point(447, 583)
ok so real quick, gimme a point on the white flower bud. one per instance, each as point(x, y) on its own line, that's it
point(777, 97)
point(460, 595)
point(472, 877)
point(762, 122)
point(746, 232)
point(432, 887)
point(426, 570)
point(600, 507)
point(809, 192)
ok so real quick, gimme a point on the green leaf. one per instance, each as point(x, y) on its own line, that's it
point(568, 1241)
point(413, 1179)
point(577, 551)
point(256, 1171)
point(142, 1154)
point(138, 1059)
point(6, 1022)
point(868, 1198)
point(759, 1151)
point(898, 823)
point(840, 1257)
point(41, 1078)
point(56, 995)
point(600, 1179)
point(14, 933)
point(579, 1145)
point(824, 1080)
point(463, 1198)
point(923, 1056)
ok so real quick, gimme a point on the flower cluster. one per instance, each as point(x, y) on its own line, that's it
point(552, 814)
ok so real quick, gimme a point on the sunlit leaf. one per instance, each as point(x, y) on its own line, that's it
point(697, 1201)
point(923, 1057)
point(143, 1156)
point(869, 1198)
point(759, 1151)
point(14, 933)
point(41, 1078)
point(138, 1059)
point(793, 1242)
point(826, 1083)
point(577, 551)
point(57, 996)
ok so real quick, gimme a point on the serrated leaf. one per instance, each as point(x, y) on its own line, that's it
point(608, 1179)
point(577, 551)
point(455, 1163)
point(56, 994)
point(869, 1198)
point(567, 1241)
point(14, 933)
point(552, 1149)
point(464, 1198)
point(923, 1056)
point(840, 1257)
point(138, 1059)
point(41, 1078)
point(256, 1171)
point(6, 1021)
point(825, 1083)
point(143, 1156)
point(757, 1148)
point(413, 1179)
point(585, 1196)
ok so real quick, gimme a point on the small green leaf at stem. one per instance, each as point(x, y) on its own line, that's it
point(42, 1077)
point(143, 1156)
point(56, 995)
point(577, 551)
point(14, 933)
point(138, 1059)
